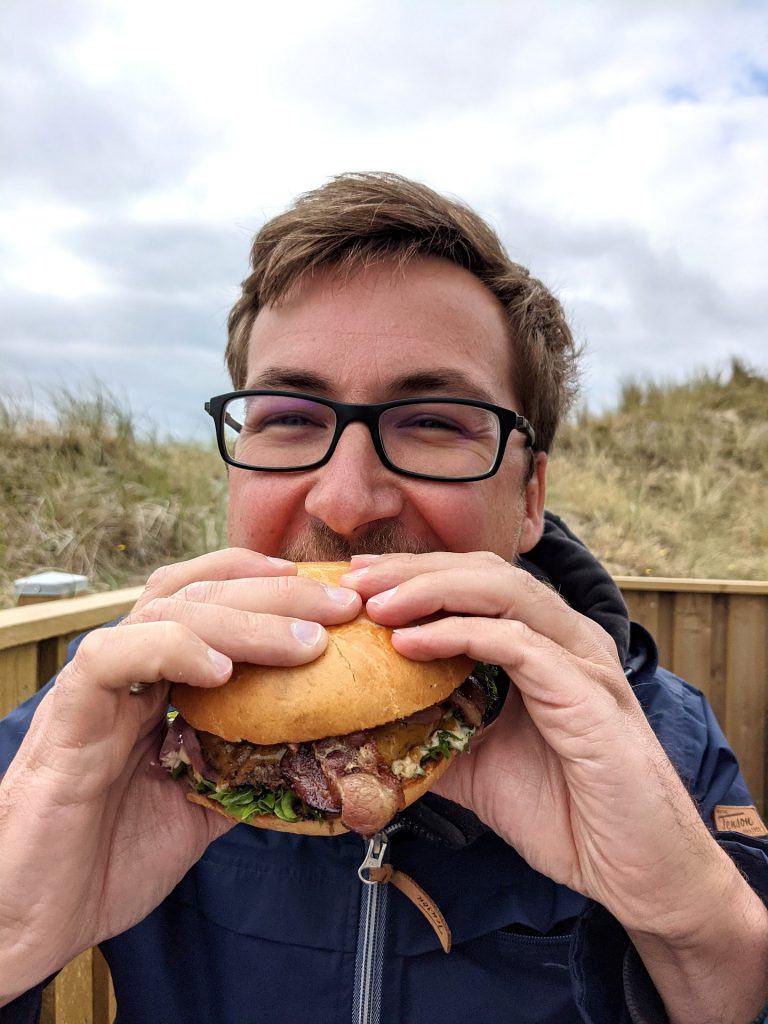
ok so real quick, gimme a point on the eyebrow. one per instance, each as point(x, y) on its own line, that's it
point(442, 380)
point(286, 379)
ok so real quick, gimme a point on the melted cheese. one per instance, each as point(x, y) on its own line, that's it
point(456, 735)
point(395, 739)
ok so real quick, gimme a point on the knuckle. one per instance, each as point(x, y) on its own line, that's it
point(177, 634)
point(285, 586)
point(491, 558)
point(526, 636)
point(530, 586)
point(89, 650)
point(200, 591)
point(158, 581)
point(153, 611)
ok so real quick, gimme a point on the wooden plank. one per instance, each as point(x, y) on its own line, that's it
point(665, 628)
point(52, 653)
point(70, 615)
point(718, 668)
point(685, 586)
point(104, 1004)
point(692, 639)
point(73, 991)
point(18, 676)
point(643, 607)
point(746, 703)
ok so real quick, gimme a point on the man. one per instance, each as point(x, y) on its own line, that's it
point(578, 875)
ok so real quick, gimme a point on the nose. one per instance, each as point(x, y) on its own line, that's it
point(354, 488)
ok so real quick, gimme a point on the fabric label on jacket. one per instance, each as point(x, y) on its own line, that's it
point(739, 819)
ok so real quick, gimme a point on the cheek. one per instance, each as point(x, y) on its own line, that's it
point(475, 518)
point(239, 522)
point(260, 510)
point(487, 518)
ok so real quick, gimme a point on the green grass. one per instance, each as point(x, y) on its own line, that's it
point(670, 483)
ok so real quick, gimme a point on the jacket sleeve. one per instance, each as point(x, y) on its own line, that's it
point(610, 980)
point(26, 1009)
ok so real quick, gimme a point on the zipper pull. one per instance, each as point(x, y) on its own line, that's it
point(373, 871)
point(374, 857)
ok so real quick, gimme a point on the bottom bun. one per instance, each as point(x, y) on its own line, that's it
point(331, 825)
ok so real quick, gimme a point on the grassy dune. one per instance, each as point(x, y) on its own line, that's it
point(83, 494)
point(673, 481)
point(670, 483)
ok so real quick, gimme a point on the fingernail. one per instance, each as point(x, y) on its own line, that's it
point(341, 595)
point(356, 559)
point(384, 596)
point(220, 661)
point(406, 630)
point(308, 633)
point(194, 591)
point(279, 562)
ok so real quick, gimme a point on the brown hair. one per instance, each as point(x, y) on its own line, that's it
point(356, 220)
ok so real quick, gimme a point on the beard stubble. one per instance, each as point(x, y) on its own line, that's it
point(318, 543)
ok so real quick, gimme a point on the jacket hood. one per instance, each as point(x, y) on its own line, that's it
point(565, 562)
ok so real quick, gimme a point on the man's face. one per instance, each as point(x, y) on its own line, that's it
point(429, 330)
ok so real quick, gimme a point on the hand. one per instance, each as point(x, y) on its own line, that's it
point(571, 774)
point(90, 841)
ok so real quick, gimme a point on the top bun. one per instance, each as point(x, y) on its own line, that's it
point(359, 682)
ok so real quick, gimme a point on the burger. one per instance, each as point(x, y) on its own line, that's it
point(342, 743)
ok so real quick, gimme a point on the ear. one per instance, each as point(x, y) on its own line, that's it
point(535, 493)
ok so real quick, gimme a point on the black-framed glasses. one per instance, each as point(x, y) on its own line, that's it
point(429, 438)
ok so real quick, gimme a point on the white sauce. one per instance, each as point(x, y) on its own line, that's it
point(409, 767)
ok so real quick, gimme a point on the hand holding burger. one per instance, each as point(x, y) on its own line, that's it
point(341, 743)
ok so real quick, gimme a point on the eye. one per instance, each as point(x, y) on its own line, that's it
point(288, 419)
point(273, 414)
point(431, 423)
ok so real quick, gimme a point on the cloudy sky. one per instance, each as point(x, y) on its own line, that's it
point(620, 148)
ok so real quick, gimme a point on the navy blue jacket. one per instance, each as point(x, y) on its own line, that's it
point(279, 928)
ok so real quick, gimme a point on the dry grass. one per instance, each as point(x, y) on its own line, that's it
point(672, 483)
point(82, 494)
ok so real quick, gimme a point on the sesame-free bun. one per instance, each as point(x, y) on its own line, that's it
point(330, 825)
point(359, 682)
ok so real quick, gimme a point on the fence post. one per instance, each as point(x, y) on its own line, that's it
point(49, 586)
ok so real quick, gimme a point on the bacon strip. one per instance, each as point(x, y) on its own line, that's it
point(369, 793)
point(301, 770)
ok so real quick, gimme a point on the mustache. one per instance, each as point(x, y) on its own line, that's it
point(318, 543)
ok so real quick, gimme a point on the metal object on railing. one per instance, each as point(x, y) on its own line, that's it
point(48, 586)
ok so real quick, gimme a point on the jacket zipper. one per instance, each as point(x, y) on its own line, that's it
point(369, 959)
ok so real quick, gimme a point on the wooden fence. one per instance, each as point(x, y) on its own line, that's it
point(714, 633)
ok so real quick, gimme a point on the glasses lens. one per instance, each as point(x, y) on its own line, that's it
point(441, 439)
point(277, 431)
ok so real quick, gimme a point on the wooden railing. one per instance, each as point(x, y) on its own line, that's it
point(33, 645)
point(714, 633)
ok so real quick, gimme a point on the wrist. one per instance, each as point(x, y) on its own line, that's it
point(718, 970)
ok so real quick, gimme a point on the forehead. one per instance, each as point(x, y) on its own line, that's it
point(363, 337)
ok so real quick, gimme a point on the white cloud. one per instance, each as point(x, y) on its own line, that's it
point(619, 148)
